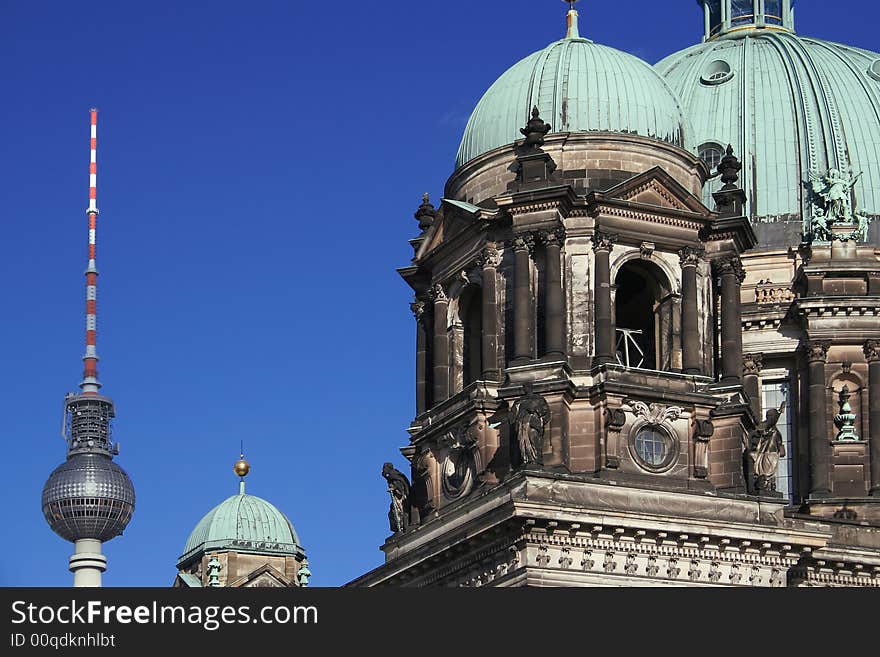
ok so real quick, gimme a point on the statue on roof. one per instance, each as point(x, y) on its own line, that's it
point(529, 422)
point(399, 514)
point(831, 204)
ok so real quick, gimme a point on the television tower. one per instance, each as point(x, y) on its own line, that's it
point(89, 499)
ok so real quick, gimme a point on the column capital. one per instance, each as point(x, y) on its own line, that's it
point(556, 236)
point(872, 350)
point(489, 257)
point(731, 265)
point(603, 241)
point(523, 242)
point(817, 350)
point(438, 294)
point(690, 256)
point(418, 308)
point(752, 363)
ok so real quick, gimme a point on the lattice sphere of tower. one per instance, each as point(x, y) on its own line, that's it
point(88, 496)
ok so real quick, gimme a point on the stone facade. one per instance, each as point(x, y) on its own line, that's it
point(594, 346)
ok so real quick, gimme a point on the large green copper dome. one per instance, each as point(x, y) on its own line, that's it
point(245, 523)
point(790, 106)
point(578, 86)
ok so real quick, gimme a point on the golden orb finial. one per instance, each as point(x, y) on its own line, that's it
point(241, 467)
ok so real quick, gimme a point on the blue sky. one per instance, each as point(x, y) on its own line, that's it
point(258, 167)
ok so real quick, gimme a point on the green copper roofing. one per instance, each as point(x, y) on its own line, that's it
point(578, 86)
point(789, 105)
point(245, 523)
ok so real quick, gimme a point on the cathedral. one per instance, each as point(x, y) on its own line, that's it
point(646, 321)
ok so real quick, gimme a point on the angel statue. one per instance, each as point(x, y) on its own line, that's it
point(831, 200)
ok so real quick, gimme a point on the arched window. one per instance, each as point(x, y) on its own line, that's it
point(643, 316)
point(711, 153)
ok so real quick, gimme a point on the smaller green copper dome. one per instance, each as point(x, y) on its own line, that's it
point(578, 86)
point(245, 523)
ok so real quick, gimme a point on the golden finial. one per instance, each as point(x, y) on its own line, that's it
point(241, 467)
point(425, 197)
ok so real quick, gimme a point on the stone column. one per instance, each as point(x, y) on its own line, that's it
point(872, 355)
point(418, 310)
point(603, 322)
point(441, 346)
point(817, 351)
point(732, 275)
point(489, 260)
point(522, 296)
point(691, 356)
point(752, 364)
point(555, 315)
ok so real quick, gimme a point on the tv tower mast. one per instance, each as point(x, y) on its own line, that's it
point(89, 499)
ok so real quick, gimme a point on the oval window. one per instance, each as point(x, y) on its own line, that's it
point(716, 72)
point(874, 69)
point(653, 447)
point(711, 154)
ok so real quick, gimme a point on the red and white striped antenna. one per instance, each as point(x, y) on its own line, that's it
point(90, 383)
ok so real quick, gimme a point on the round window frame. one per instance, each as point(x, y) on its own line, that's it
point(874, 70)
point(711, 70)
point(714, 145)
point(674, 447)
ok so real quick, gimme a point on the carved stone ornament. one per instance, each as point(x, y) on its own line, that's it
point(731, 265)
point(654, 413)
point(418, 308)
point(603, 241)
point(817, 350)
point(752, 363)
point(872, 350)
point(400, 513)
point(524, 242)
point(490, 257)
point(529, 422)
point(646, 250)
point(615, 418)
point(535, 130)
point(438, 294)
point(426, 213)
point(845, 420)
point(690, 257)
point(729, 168)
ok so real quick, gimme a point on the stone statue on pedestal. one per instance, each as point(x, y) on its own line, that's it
point(766, 448)
point(529, 419)
point(399, 489)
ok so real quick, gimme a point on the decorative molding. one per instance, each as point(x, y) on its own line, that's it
point(555, 237)
point(603, 241)
point(654, 413)
point(651, 218)
point(871, 348)
point(646, 250)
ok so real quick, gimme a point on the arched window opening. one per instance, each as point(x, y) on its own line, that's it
point(472, 321)
point(643, 317)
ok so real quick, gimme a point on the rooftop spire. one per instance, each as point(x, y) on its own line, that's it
point(90, 383)
point(572, 20)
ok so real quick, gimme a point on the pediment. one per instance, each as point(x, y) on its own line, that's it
point(453, 218)
point(266, 576)
point(656, 188)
